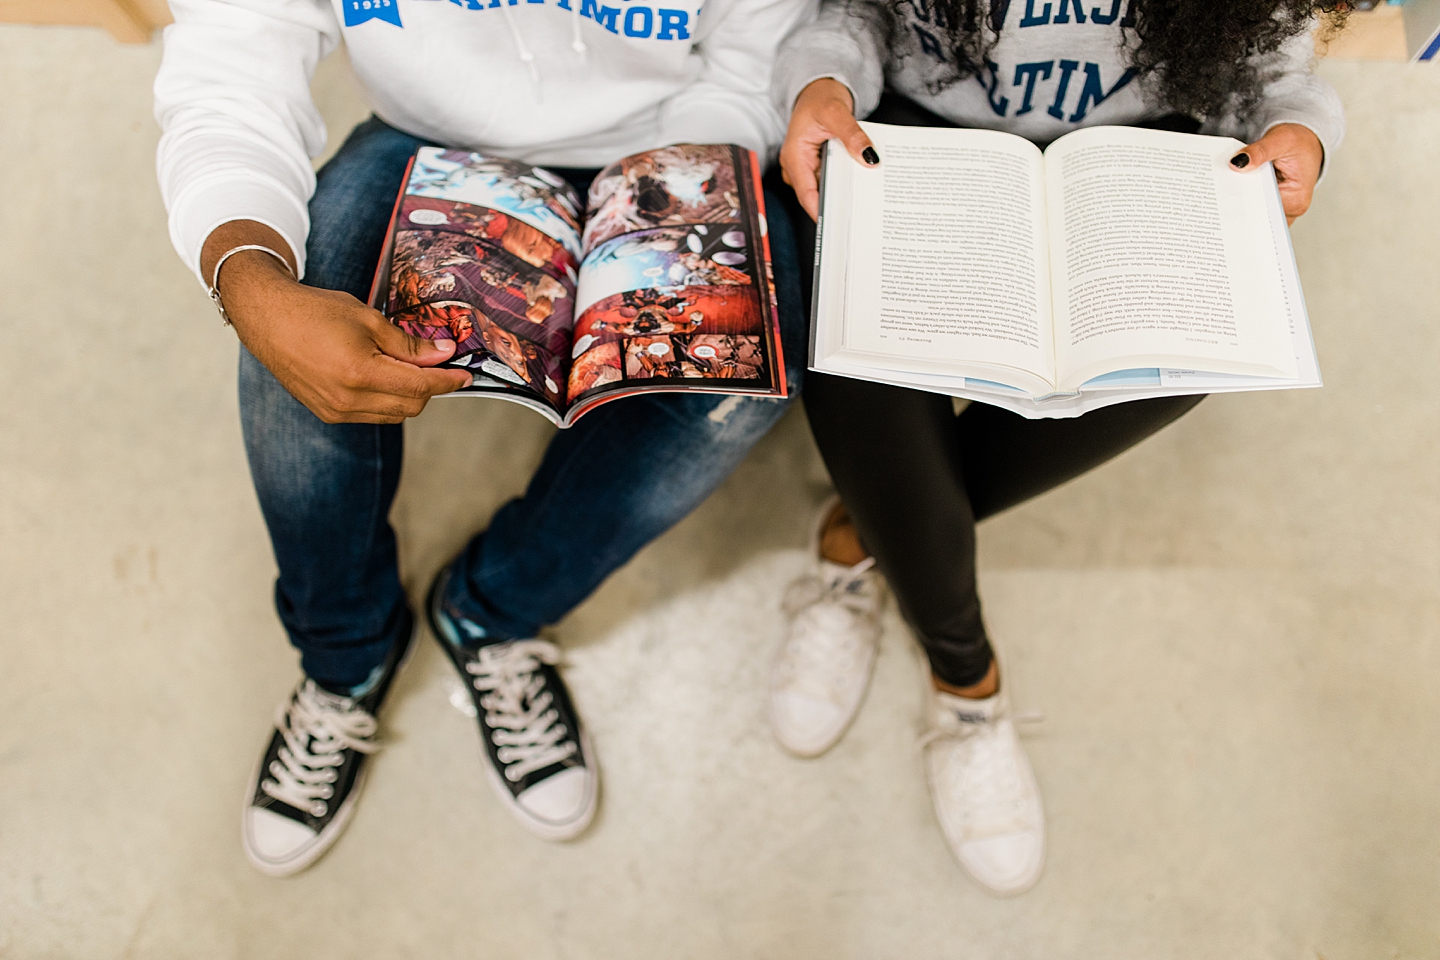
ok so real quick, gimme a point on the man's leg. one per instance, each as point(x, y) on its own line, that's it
point(325, 491)
point(623, 475)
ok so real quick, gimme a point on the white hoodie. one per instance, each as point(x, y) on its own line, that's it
point(575, 83)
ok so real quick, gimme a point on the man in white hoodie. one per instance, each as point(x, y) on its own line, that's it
point(325, 382)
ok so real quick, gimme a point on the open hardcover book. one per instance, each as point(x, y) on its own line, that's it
point(661, 282)
point(1118, 264)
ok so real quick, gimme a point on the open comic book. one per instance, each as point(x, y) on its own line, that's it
point(661, 282)
point(1118, 264)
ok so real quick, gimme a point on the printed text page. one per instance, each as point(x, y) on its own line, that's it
point(948, 254)
point(1160, 257)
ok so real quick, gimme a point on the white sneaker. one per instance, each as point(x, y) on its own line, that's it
point(819, 677)
point(985, 793)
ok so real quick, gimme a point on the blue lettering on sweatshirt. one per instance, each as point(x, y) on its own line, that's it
point(1061, 16)
point(1030, 19)
point(1057, 109)
point(1030, 72)
point(1003, 103)
point(639, 22)
point(1094, 93)
point(362, 11)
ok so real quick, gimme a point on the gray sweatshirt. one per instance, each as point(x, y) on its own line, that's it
point(1058, 66)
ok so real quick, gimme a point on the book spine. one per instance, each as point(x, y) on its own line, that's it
point(378, 293)
point(766, 271)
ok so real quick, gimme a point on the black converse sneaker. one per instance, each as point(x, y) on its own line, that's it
point(541, 763)
point(305, 787)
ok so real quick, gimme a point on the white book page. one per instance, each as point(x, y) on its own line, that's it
point(947, 266)
point(1162, 256)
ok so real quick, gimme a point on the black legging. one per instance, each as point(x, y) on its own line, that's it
point(915, 477)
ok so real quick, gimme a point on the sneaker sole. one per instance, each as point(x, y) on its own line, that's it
point(326, 838)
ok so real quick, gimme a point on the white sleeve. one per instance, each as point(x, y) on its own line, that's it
point(239, 127)
point(729, 102)
point(1292, 94)
point(847, 44)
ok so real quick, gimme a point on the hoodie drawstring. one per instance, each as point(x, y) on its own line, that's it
point(527, 56)
point(576, 43)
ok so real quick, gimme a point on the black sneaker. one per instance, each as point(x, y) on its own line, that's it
point(304, 790)
point(541, 763)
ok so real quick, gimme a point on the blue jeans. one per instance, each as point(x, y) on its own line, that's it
point(626, 473)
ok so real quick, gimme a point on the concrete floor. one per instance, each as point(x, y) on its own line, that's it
point(1234, 632)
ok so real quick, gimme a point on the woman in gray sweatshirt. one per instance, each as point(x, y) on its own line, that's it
point(913, 477)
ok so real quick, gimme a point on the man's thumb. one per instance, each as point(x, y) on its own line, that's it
point(394, 342)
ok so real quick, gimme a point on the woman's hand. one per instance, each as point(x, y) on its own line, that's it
point(1297, 155)
point(824, 110)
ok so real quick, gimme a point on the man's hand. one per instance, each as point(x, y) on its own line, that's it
point(344, 361)
point(1297, 155)
point(823, 110)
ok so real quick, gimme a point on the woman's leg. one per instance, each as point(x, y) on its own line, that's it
point(894, 458)
point(1006, 459)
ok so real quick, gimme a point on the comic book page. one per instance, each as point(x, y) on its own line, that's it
point(675, 289)
point(485, 252)
point(675, 292)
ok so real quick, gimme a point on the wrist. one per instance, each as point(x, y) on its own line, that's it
point(826, 88)
point(248, 270)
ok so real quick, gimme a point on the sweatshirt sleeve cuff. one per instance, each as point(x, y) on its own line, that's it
point(842, 62)
point(1328, 136)
point(206, 205)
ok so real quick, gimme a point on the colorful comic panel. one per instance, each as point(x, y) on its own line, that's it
point(720, 309)
point(530, 302)
point(707, 356)
point(686, 183)
point(528, 193)
point(484, 346)
point(699, 255)
point(514, 235)
point(595, 368)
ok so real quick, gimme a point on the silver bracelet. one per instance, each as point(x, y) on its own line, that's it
point(215, 277)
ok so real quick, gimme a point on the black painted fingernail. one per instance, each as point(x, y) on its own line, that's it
point(1240, 161)
point(870, 156)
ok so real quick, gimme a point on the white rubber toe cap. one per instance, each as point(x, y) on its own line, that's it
point(805, 726)
point(274, 841)
point(559, 800)
point(1006, 864)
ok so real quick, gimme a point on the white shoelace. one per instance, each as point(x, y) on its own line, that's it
point(984, 777)
point(317, 731)
point(832, 628)
point(518, 707)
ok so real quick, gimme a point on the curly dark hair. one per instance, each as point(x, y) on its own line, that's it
point(1200, 54)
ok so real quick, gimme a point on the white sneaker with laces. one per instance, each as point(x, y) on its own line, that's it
point(823, 668)
point(985, 793)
